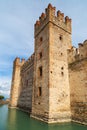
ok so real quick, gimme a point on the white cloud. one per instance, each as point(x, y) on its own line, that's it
point(5, 85)
point(5, 93)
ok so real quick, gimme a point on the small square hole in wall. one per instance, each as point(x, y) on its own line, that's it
point(61, 54)
point(62, 73)
point(62, 68)
point(60, 37)
point(51, 72)
point(81, 55)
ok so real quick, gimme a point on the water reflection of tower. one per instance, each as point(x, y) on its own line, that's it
point(12, 119)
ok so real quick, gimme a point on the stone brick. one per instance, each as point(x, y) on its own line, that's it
point(52, 83)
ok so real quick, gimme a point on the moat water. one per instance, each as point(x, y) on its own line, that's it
point(12, 119)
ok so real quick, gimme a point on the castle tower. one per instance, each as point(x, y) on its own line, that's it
point(15, 86)
point(51, 94)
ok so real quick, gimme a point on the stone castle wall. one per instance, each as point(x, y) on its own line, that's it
point(55, 31)
point(78, 83)
point(78, 89)
point(52, 83)
point(59, 93)
point(26, 83)
point(40, 102)
point(75, 54)
point(22, 82)
point(15, 85)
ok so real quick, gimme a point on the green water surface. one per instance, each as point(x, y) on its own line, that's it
point(12, 119)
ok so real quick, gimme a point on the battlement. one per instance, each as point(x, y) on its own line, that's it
point(19, 61)
point(28, 63)
point(76, 54)
point(50, 15)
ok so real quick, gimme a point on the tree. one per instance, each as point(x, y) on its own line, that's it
point(1, 97)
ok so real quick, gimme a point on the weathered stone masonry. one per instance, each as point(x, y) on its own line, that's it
point(78, 82)
point(21, 92)
point(51, 84)
point(25, 95)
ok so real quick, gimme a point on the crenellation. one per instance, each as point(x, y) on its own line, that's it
point(67, 20)
point(51, 16)
point(17, 60)
point(72, 53)
point(76, 54)
point(83, 50)
point(28, 62)
point(52, 83)
point(23, 60)
point(42, 17)
point(50, 10)
point(37, 23)
point(60, 16)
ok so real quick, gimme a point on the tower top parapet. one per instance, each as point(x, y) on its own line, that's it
point(19, 61)
point(28, 62)
point(50, 15)
point(76, 54)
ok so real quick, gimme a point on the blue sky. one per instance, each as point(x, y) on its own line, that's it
point(17, 18)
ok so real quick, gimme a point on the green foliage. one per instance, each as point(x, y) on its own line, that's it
point(1, 97)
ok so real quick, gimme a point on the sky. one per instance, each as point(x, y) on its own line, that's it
point(17, 19)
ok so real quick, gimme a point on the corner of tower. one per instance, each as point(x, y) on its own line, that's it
point(15, 85)
point(56, 18)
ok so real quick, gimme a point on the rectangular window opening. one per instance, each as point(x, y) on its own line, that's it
point(40, 71)
point(39, 91)
point(40, 55)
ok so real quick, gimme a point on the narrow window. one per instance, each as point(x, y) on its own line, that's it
point(41, 39)
point(39, 91)
point(40, 55)
point(40, 71)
